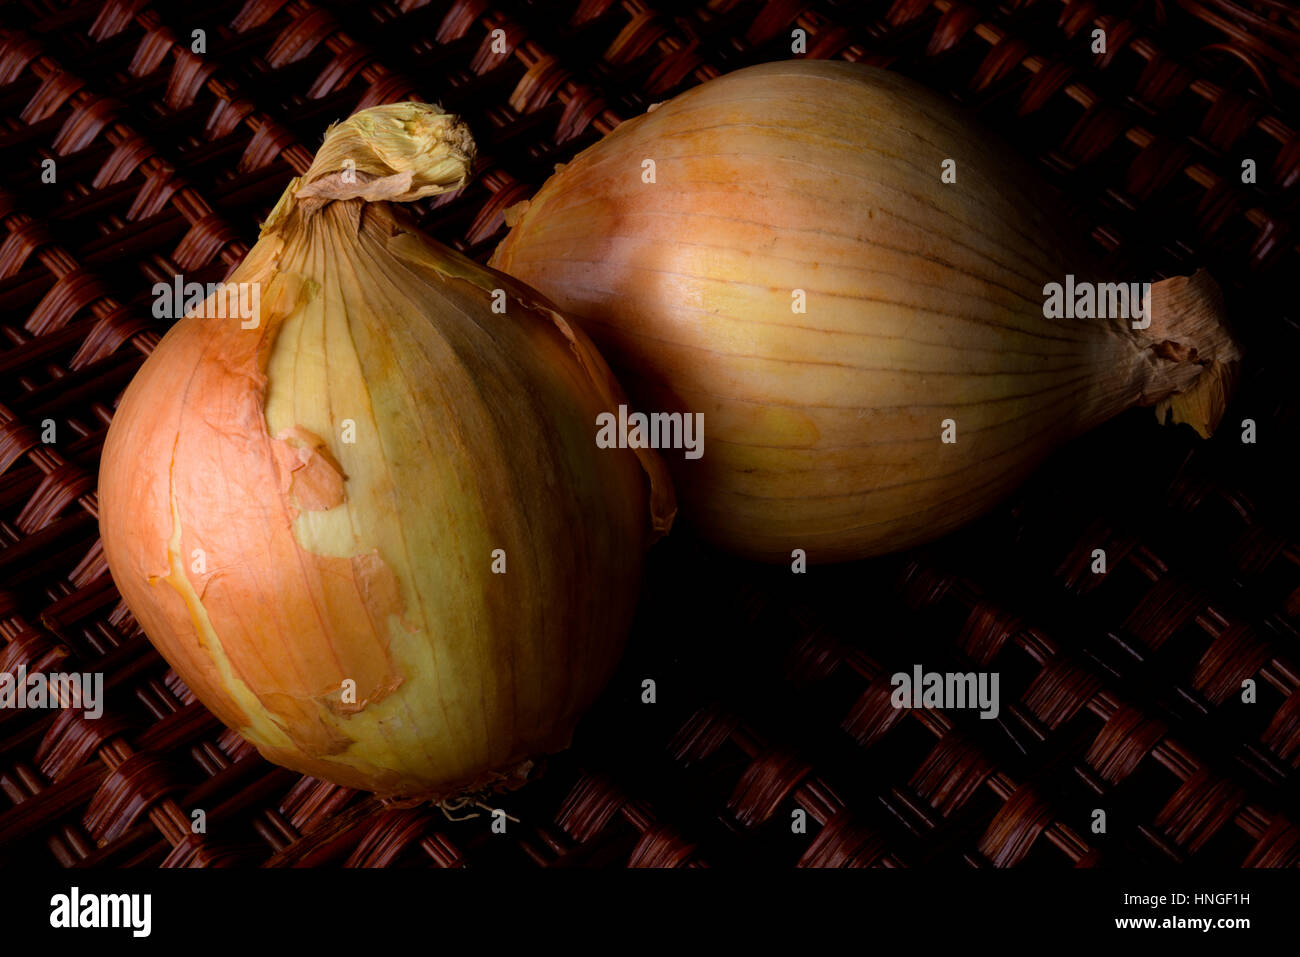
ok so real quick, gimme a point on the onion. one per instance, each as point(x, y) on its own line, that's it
point(373, 532)
point(778, 250)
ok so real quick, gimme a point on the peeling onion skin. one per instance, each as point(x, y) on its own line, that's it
point(270, 560)
point(924, 302)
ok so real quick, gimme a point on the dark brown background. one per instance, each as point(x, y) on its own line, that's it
point(1119, 692)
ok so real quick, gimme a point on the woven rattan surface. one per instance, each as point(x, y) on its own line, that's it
point(1121, 691)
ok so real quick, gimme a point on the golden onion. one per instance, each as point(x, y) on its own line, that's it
point(850, 282)
point(369, 526)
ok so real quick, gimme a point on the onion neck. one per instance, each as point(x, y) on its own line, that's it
point(399, 152)
point(1186, 361)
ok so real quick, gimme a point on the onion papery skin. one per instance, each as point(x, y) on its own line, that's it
point(326, 560)
point(924, 302)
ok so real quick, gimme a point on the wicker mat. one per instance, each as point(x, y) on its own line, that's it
point(1121, 691)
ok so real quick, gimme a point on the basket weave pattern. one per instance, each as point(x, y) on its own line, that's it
point(1121, 691)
